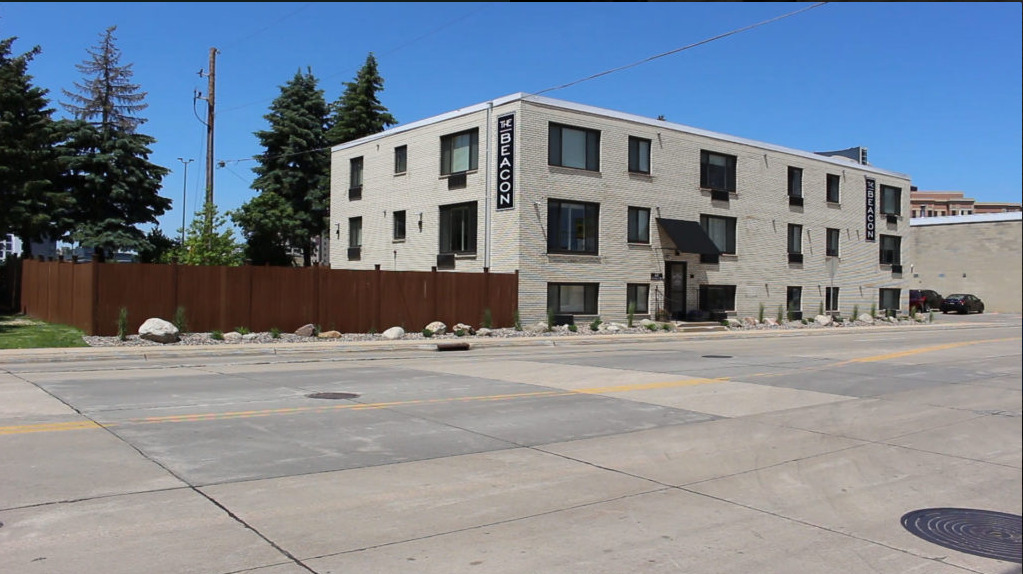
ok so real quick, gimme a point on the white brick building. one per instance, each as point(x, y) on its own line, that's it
point(601, 211)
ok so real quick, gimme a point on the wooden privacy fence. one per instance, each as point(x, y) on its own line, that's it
point(90, 296)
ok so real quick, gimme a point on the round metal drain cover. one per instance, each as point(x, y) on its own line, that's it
point(333, 396)
point(717, 356)
point(979, 532)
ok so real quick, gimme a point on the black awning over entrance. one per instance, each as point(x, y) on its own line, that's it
point(688, 236)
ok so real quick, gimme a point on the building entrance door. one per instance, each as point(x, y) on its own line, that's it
point(675, 290)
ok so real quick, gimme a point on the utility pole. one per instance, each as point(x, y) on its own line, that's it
point(210, 105)
point(184, 193)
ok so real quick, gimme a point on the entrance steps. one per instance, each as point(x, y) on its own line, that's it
point(698, 326)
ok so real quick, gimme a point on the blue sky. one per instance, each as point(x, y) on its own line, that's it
point(932, 89)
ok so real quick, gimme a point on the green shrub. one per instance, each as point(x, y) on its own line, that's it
point(652, 326)
point(873, 310)
point(122, 324)
point(427, 333)
point(488, 321)
point(780, 315)
point(242, 330)
point(180, 321)
point(930, 317)
point(760, 315)
point(667, 326)
point(856, 312)
point(573, 327)
point(275, 333)
point(459, 332)
point(217, 335)
point(632, 312)
point(820, 308)
point(550, 319)
point(316, 330)
point(595, 324)
point(516, 320)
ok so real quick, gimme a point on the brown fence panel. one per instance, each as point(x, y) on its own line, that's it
point(145, 290)
point(349, 301)
point(406, 299)
point(198, 293)
point(460, 298)
point(503, 299)
point(82, 292)
point(282, 298)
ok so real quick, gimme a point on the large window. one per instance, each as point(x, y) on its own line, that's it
point(833, 236)
point(398, 232)
point(721, 231)
point(891, 250)
point(795, 239)
point(355, 178)
point(459, 152)
point(572, 227)
point(831, 299)
point(888, 299)
point(400, 159)
point(834, 188)
point(637, 297)
point(639, 155)
point(795, 182)
point(717, 298)
point(458, 228)
point(891, 200)
point(639, 225)
point(573, 147)
point(572, 298)
point(717, 171)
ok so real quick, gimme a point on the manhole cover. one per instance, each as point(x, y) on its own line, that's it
point(333, 396)
point(979, 532)
point(717, 356)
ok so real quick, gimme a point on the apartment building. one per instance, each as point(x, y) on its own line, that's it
point(604, 213)
point(950, 203)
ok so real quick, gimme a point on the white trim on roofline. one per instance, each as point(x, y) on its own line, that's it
point(973, 218)
point(556, 103)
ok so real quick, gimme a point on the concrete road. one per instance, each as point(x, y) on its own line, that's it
point(776, 452)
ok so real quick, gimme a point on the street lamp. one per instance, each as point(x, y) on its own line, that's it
point(184, 192)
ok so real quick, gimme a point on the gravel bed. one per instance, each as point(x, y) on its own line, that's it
point(193, 339)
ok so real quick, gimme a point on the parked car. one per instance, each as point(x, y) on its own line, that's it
point(925, 299)
point(962, 303)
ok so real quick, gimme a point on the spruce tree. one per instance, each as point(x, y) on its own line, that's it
point(295, 167)
point(358, 112)
point(34, 207)
point(115, 185)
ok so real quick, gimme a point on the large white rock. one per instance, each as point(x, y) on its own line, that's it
point(159, 331)
point(393, 333)
point(437, 328)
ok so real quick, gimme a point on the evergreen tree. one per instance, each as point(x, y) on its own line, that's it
point(161, 249)
point(114, 184)
point(358, 112)
point(34, 207)
point(265, 222)
point(209, 241)
point(295, 167)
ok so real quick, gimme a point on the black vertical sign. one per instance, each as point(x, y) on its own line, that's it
point(505, 162)
point(871, 210)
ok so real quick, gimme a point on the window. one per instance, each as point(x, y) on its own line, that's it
point(833, 236)
point(891, 250)
point(831, 299)
point(400, 159)
point(354, 238)
point(721, 231)
point(888, 299)
point(572, 227)
point(834, 188)
point(795, 238)
point(398, 233)
point(572, 298)
point(639, 155)
point(459, 152)
point(717, 298)
point(717, 171)
point(637, 297)
point(793, 301)
point(458, 228)
point(795, 182)
point(355, 178)
point(891, 200)
point(639, 225)
point(573, 147)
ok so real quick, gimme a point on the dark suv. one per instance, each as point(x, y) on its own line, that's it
point(924, 299)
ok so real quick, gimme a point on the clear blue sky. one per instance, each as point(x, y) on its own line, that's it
point(932, 89)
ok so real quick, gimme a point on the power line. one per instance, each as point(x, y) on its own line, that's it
point(594, 76)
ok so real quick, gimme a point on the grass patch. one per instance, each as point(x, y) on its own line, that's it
point(20, 332)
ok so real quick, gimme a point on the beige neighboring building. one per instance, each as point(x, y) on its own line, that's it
point(602, 211)
point(942, 203)
point(980, 254)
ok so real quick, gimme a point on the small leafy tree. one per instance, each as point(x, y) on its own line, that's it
point(760, 315)
point(122, 324)
point(210, 244)
point(180, 320)
point(487, 319)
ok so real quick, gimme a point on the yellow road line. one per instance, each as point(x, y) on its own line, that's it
point(49, 427)
point(931, 349)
